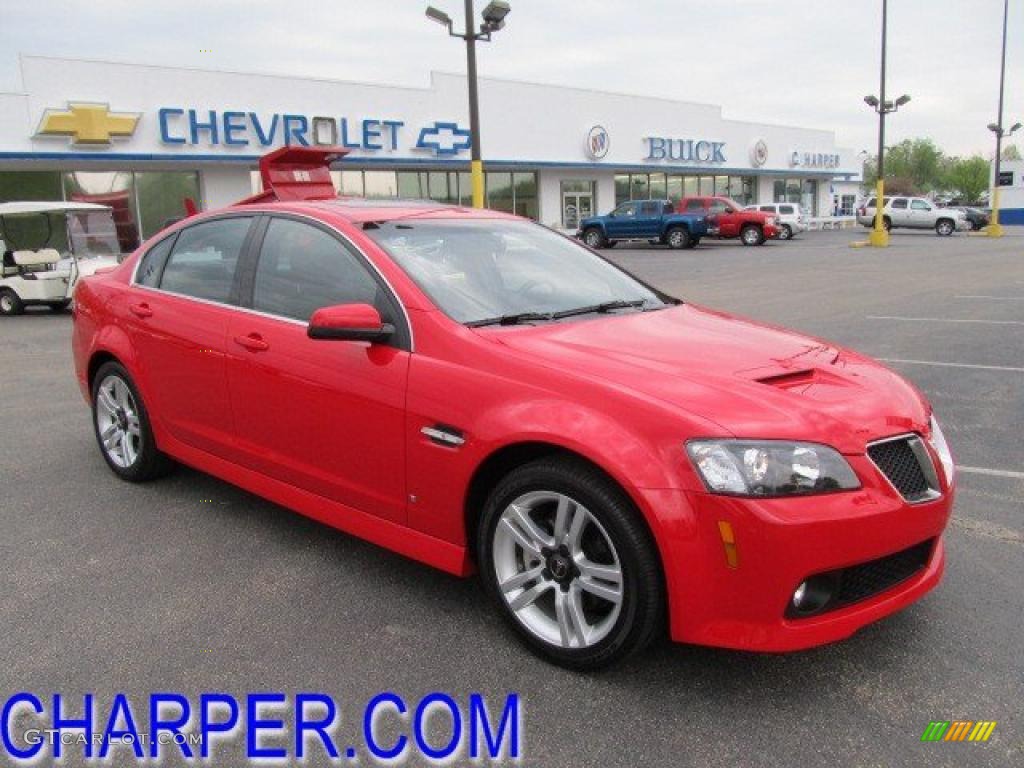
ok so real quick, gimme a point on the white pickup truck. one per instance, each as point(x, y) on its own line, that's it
point(913, 213)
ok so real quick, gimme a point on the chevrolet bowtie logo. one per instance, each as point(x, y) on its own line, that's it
point(444, 138)
point(92, 124)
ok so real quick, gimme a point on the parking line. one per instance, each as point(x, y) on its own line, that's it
point(990, 472)
point(993, 298)
point(952, 365)
point(946, 320)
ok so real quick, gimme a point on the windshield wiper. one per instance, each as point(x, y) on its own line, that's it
point(606, 306)
point(513, 319)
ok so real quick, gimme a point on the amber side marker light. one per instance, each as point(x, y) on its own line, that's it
point(732, 555)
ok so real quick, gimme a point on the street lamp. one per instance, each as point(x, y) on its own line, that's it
point(493, 19)
point(879, 236)
point(995, 229)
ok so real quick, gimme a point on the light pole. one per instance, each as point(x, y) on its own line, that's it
point(879, 237)
point(995, 229)
point(493, 19)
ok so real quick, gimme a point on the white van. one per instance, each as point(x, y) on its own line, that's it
point(791, 221)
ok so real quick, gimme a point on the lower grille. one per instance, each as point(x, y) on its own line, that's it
point(906, 464)
point(845, 586)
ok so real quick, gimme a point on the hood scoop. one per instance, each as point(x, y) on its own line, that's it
point(814, 382)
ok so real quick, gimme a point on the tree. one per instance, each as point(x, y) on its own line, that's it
point(1010, 152)
point(968, 177)
point(916, 165)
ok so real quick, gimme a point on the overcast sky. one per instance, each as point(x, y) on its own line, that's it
point(794, 62)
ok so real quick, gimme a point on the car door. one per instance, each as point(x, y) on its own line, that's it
point(621, 223)
point(727, 220)
point(648, 219)
point(899, 212)
point(921, 214)
point(178, 312)
point(326, 416)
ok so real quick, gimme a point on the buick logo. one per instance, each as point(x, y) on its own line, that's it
point(598, 142)
point(759, 153)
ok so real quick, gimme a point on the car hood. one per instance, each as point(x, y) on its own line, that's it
point(752, 380)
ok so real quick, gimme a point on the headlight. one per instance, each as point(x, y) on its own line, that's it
point(770, 467)
point(938, 441)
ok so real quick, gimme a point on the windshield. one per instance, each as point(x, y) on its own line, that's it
point(93, 233)
point(479, 271)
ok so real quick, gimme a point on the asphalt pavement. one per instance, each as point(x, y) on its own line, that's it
point(188, 584)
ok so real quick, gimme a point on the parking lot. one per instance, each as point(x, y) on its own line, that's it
point(188, 584)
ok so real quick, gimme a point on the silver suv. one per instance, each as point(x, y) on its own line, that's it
point(790, 219)
point(913, 213)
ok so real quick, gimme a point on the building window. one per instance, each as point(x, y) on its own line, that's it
point(621, 188)
point(524, 193)
point(499, 191)
point(161, 195)
point(380, 184)
point(578, 201)
point(801, 191)
point(658, 186)
point(847, 204)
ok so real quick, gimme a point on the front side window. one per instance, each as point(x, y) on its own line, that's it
point(205, 257)
point(626, 209)
point(303, 268)
point(720, 206)
point(477, 270)
point(920, 205)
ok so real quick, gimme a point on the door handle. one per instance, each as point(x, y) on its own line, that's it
point(253, 342)
point(140, 310)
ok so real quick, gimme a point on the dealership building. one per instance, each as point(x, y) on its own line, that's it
point(143, 138)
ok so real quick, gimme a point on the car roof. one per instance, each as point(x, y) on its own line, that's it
point(361, 210)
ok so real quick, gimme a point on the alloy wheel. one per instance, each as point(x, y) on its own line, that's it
point(117, 421)
point(558, 570)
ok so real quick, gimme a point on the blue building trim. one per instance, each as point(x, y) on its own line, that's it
point(428, 162)
point(1014, 216)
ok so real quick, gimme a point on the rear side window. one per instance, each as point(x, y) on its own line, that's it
point(899, 202)
point(695, 205)
point(152, 262)
point(649, 208)
point(205, 257)
point(667, 208)
point(785, 209)
point(768, 209)
point(303, 268)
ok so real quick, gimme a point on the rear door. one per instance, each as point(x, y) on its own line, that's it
point(899, 212)
point(648, 220)
point(325, 416)
point(179, 306)
point(728, 222)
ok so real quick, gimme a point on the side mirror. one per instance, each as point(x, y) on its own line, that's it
point(349, 322)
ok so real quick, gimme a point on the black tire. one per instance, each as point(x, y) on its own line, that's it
point(785, 232)
point(641, 612)
point(752, 234)
point(594, 238)
point(945, 227)
point(149, 462)
point(610, 243)
point(677, 238)
point(10, 304)
point(694, 242)
point(887, 223)
point(59, 306)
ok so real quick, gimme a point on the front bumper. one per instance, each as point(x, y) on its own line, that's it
point(779, 544)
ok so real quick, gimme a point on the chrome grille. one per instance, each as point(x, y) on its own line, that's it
point(907, 466)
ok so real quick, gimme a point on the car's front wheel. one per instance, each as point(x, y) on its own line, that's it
point(570, 563)
point(944, 227)
point(751, 235)
point(122, 426)
point(10, 304)
point(785, 232)
point(594, 238)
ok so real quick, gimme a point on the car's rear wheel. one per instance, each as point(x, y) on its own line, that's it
point(122, 426)
point(678, 237)
point(10, 304)
point(887, 223)
point(594, 238)
point(944, 227)
point(570, 563)
point(752, 235)
point(785, 232)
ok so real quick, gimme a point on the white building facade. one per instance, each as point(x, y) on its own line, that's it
point(143, 138)
point(1011, 191)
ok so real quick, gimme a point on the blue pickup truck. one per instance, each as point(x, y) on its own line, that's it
point(651, 220)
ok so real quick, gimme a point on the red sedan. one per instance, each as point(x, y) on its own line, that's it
point(479, 393)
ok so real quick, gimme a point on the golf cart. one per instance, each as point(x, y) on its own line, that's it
point(47, 247)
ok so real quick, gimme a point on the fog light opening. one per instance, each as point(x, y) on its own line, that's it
point(799, 595)
point(812, 595)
